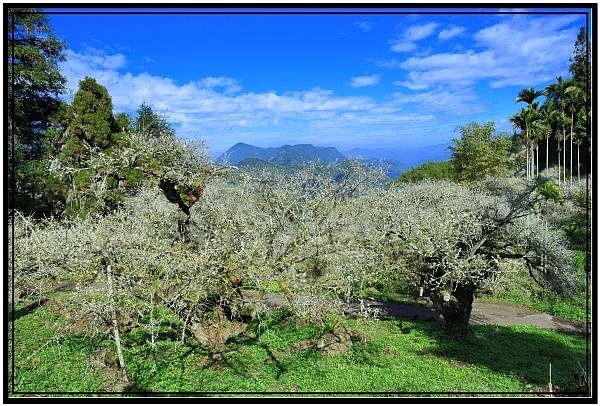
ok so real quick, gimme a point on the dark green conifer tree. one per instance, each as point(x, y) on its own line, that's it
point(34, 88)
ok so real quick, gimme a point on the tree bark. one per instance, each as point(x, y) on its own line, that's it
point(527, 158)
point(558, 158)
point(183, 224)
point(571, 150)
point(564, 156)
point(169, 189)
point(578, 163)
point(537, 159)
point(456, 310)
point(115, 323)
point(547, 142)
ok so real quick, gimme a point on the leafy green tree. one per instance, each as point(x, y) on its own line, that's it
point(123, 122)
point(34, 88)
point(429, 170)
point(90, 116)
point(151, 124)
point(89, 159)
point(480, 153)
point(580, 66)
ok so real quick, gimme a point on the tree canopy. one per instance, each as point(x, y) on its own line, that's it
point(580, 66)
point(35, 84)
point(323, 232)
point(90, 116)
point(479, 152)
point(428, 170)
point(151, 124)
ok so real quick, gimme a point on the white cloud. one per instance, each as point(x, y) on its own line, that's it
point(213, 107)
point(389, 63)
point(518, 51)
point(456, 101)
point(97, 59)
point(230, 85)
point(403, 46)
point(365, 25)
point(450, 33)
point(419, 32)
point(362, 81)
point(216, 109)
point(407, 41)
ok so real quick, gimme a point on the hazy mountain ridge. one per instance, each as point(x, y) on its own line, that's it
point(401, 159)
point(398, 160)
point(408, 156)
point(286, 154)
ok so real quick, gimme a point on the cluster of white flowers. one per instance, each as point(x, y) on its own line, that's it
point(306, 234)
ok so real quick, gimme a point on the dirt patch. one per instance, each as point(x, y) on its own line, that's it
point(387, 308)
point(502, 314)
point(507, 314)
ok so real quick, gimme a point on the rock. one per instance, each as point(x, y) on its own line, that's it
point(213, 334)
point(337, 342)
point(110, 359)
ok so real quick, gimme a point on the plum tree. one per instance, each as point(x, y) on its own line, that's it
point(456, 240)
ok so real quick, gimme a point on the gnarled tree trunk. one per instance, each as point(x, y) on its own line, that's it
point(184, 197)
point(456, 310)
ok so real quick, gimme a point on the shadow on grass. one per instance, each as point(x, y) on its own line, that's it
point(134, 388)
point(231, 357)
point(24, 311)
point(252, 338)
point(527, 353)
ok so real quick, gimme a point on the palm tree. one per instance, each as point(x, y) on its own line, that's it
point(557, 92)
point(549, 116)
point(574, 96)
point(537, 131)
point(530, 124)
point(528, 96)
point(563, 121)
point(519, 121)
point(581, 131)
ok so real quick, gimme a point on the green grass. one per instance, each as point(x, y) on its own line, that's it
point(47, 358)
point(393, 356)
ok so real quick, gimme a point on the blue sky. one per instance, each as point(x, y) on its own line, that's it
point(345, 80)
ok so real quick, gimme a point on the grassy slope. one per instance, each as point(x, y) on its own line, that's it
point(393, 356)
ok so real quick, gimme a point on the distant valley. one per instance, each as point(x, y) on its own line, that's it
point(398, 160)
point(402, 159)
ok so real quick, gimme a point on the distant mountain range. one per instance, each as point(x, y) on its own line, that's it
point(284, 155)
point(398, 160)
point(402, 159)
